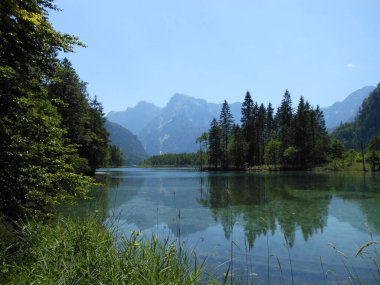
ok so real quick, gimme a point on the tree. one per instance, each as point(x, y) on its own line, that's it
point(358, 134)
point(225, 124)
point(247, 111)
point(319, 139)
point(96, 141)
point(290, 155)
point(82, 119)
point(203, 143)
point(37, 172)
point(367, 121)
point(214, 149)
point(237, 147)
point(115, 156)
point(336, 149)
point(301, 132)
point(272, 154)
point(373, 153)
point(270, 125)
point(260, 134)
point(284, 119)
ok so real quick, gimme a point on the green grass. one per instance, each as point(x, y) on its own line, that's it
point(73, 252)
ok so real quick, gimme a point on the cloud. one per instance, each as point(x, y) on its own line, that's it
point(350, 65)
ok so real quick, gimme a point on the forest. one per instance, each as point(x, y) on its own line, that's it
point(291, 139)
point(172, 159)
point(52, 134)
point(287, 138)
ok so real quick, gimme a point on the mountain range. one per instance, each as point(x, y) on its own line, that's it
point(175, 127)
point(128, 143)
point(346, 110)
point(365, 126)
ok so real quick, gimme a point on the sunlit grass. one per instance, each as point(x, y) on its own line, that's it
point(72, 252)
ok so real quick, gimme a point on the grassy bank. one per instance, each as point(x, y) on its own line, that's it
point(72, 252)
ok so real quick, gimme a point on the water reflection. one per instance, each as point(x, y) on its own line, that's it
point(261, 203)
point(257, 212)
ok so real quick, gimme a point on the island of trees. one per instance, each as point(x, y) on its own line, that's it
point(286, 139)
point(289, 139)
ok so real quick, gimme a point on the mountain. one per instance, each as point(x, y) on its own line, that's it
point(366, 124)
point(181, 121)
point(129, 144)
point(346, 111)
point(136, 118)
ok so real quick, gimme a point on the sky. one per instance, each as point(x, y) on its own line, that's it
point(148, 50)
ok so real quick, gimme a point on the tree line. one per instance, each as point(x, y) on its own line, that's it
point(52, 134)
point(286, 138)
point(172, 159)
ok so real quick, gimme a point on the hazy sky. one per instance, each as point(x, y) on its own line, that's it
point(219, 49)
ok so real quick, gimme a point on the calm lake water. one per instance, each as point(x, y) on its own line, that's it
point(292, 227)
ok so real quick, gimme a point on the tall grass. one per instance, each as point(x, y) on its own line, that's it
point(72, 252)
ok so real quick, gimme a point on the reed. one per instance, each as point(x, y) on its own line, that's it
point(73, 252)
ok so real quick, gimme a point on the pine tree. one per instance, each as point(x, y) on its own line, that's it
point(225, 124)
point(214, 144)
point(260, 134)
point(373, 153)
point(247, 112)
point(96, 146)
point(284, 119)
point(270, 125)
point(237, 147)
point(319, 136)
point(115, 156)
point(301, 129)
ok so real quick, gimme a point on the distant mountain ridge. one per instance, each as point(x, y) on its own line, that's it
point(176, 126)
point(129, 144)
point(346, 110)
point(365, 126)
point(135, 118)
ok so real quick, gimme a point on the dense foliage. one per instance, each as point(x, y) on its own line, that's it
point(82, 118)
point(50, 133)
point(116, 157)
point(357, 135)
point(173, 159)
point(296, 139)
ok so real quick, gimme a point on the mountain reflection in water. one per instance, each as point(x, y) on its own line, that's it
point(241, 218)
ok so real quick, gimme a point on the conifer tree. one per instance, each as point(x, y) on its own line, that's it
point(260, 133)
point(225, 124)
point(247, 112)
point(237, 147)
point(301, 129)
point(284, 119)
point(115, 156)
point(214, 149)
point(270, 125)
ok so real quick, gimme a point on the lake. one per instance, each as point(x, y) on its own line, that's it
point(276, 228)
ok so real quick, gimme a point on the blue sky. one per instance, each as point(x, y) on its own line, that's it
point(219, 49)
